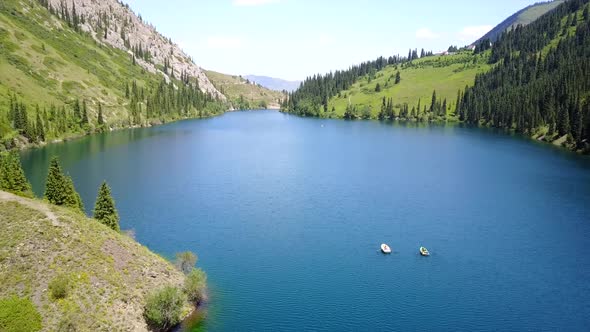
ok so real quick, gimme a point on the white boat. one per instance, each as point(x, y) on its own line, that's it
point(424, 251)
point(385, 249)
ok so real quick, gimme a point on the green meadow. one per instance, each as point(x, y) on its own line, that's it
point(445, 74)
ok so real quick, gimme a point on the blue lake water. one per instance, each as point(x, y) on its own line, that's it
point(287, 215)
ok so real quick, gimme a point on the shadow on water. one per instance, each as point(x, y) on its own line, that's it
point(195, 322)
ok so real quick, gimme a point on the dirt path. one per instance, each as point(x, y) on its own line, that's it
point(7, 197)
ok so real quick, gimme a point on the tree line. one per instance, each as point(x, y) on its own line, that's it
point(314, 93)
point(535, 88)
point(59, 189)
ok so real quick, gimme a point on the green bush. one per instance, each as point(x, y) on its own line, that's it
point(164, 307)
point(185, 261)
point(194, 285)
point(59, 287)
point(19, 315)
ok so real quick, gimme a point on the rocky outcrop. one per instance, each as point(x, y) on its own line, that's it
point(114, 23)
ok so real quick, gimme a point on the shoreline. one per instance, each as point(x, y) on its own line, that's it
point(31, 146)
point(558, 142)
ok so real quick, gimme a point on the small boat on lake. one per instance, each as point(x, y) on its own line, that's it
point(424, 251)
point(385, 249)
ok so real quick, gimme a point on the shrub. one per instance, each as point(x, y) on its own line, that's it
point(59, 287)
point(185, 261)
point(194, 285)
point(19, 315)
point(164, 307)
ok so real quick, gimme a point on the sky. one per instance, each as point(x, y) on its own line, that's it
point(293, 39)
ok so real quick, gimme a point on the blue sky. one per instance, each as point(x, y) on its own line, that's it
point(293, 39)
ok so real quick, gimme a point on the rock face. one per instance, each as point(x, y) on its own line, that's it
point(115, 24)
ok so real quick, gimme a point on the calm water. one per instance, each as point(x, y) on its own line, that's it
point(287, 215)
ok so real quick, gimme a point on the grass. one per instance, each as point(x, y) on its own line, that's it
point(445, 74)
point(44, 62)
point(18, 315)
point(533, 13)
point(235, 86)
point(74, 269)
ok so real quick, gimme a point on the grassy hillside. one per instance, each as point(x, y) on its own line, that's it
point(242, 93)
point(522, 17)
point(45, 62)
point(108, 275)
point(445, 74)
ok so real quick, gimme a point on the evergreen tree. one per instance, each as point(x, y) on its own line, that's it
point(40, 128)
point(398, 78)
point(59, 188)
point(84, 119)
point(104, 208)
point(12, 176)
point(433, 103)
point(100, 116)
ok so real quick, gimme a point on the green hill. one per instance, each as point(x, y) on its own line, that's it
point(107, 276)
point(243, 93)
point(55, 63)
point(523, 17)
point(445, 74)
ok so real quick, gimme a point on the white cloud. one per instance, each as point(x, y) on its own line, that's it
point(471, 33)
point(222, 42)
point(425, 33)
point(253, 2)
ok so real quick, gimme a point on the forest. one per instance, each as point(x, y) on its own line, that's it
point(537, 83)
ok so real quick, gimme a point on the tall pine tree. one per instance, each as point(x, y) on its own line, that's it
point(59, 188)
point(104, 208)
point(12, 176)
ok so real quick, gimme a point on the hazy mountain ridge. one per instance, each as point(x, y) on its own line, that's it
point(272, 83)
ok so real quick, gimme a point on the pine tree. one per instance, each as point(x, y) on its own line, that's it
point(104, 208)
point(84, 119)
point(433, 103)
point(100, 116)
point(73, 198)
point(40, 126)
point(59, 188)
point(12, 176)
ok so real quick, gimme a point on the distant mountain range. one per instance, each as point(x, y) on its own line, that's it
point(274, 83)
point(524, 16)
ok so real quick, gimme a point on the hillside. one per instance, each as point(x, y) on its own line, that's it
point(108, 274)
point(272, 83)
point(540, 84)
point(445, 74)
point(57, 58)
point(523, 17)
point(243, 93)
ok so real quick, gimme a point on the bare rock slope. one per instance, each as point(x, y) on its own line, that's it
point(114, 23)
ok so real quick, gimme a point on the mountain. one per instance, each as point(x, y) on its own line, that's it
point(539, 85)
point(64, 62)
point(245, 94)
point(533, 80)
point(276, 84)
point(523, 17)
point(103, 277)
point(445, 74)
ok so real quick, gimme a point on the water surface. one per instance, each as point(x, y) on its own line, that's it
point(287, 215)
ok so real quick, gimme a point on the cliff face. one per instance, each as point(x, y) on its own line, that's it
point(115, 24)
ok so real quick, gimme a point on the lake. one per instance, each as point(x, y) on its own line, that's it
point(287, 214)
